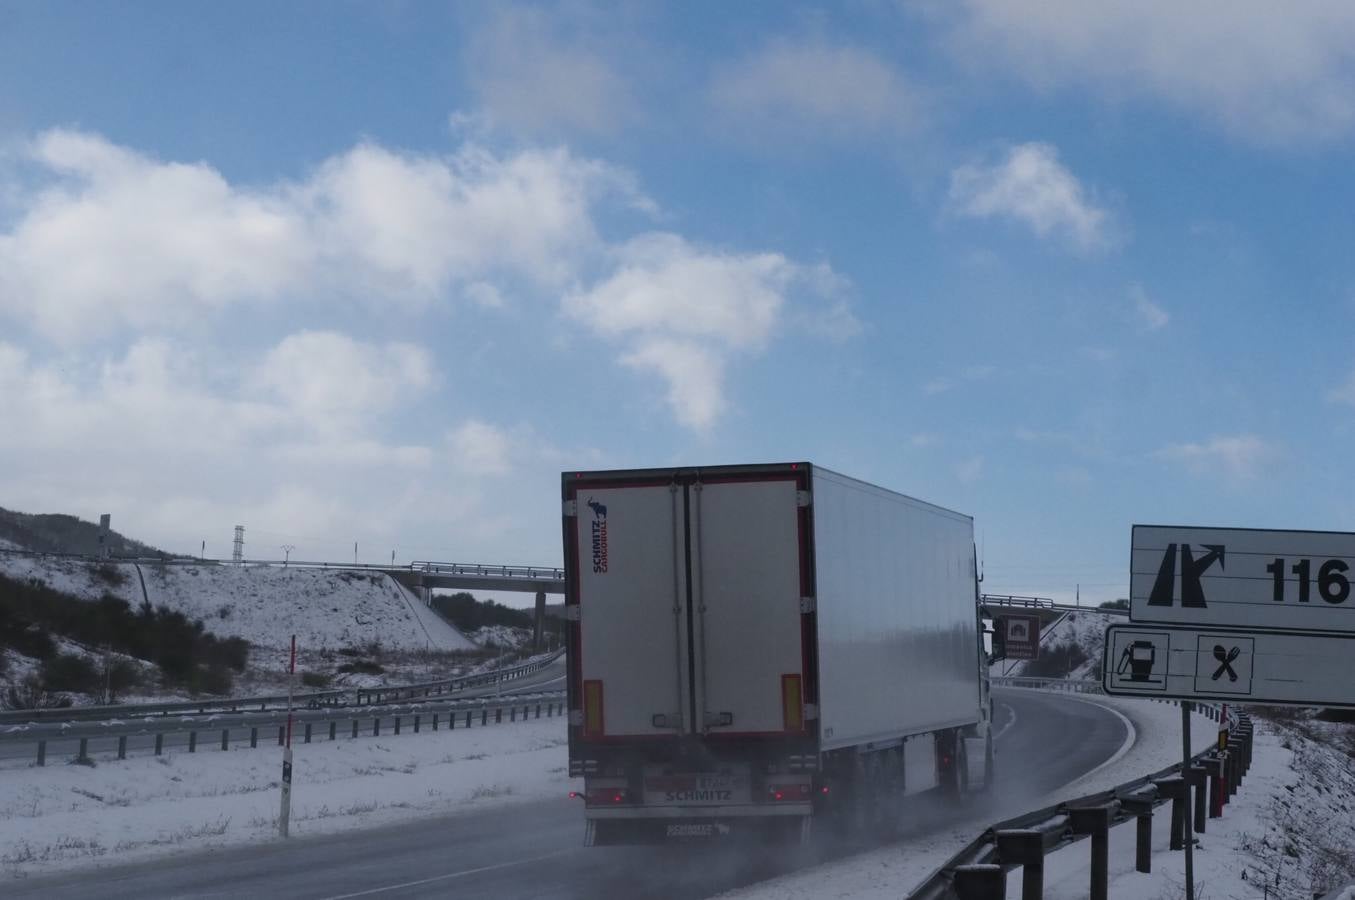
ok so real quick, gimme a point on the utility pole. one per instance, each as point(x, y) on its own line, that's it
point(286, 553)
point(285, 810)
point(355, 553)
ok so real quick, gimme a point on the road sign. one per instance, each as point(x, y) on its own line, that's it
point(1243, 578)
point(1229, 664)
point(1020, 636)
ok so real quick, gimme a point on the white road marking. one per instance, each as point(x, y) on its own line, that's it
point(449, 876)
point(1012, 721)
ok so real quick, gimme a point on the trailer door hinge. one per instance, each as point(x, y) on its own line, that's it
point(811, 711)
point(571, 508)
point(573, 612)
point(803, 499)
point(808, 605)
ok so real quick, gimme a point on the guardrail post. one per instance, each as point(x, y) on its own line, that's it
point(1214, 766)
point(1141, 805)
point(192, 742)
point(980, 882)
point(122, 746)
point(333, 730)
point(498, 715)
point(225, 739)
point(1197, 777)
point(355, 728)
point(307, 738)
point(1235, 752)
point(416, 724)
point(435, 721)
point(1095, 821)
point(538, 710)
point(159, 743)
point(253, 737)
point(282, 735)
point(1174, 789)
point(397, 724)
point(484, 717)
point(376, 726)
point(512, 713)
point(1024, 847)
point(42, 753)
point(84, 750)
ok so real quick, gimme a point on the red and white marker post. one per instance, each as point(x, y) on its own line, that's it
point(285, 814)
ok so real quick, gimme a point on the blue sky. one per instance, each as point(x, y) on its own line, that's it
point(377, 273)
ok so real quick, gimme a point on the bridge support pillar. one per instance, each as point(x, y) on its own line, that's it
point(538, 633)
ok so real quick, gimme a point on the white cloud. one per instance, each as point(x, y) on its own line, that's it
point(1031, 186)
point(331, 379)
point(682, 309)
point(1238, 457)
point(110, 238)
point(1263, 70)
point(943, 383)
point(182, 445)
point(1149, 313)
point(481, 448)
point(969, 470)
point(532, 79)
point(1344, 393)
point(815, 89)
point(925, 439)
point(694, 373)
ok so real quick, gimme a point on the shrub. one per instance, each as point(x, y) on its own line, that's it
point(315, 679)
point(1056, 661)
point(30, 694)
point(211, 680)
point(110, 574)
point(362, 667)
point(68, 672)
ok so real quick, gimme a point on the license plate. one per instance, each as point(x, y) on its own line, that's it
point(684, 790)
point(696, 830)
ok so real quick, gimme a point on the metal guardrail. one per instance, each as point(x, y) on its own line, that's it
point(367, 696)
point(360, 697)
point(231, 730)
point(978, 872)
point(1072, 686)
point(1016, 600)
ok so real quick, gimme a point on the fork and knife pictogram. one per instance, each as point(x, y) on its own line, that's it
point(1226, 662)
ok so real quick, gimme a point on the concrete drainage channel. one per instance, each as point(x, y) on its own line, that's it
point(77, 742)
point(979, 871)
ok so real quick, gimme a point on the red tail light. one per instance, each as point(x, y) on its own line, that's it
point(606, 796)
point(788, 791)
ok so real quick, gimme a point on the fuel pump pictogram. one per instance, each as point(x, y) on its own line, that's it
point(1138, 658)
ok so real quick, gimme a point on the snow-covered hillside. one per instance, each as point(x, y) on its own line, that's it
point(325, 609)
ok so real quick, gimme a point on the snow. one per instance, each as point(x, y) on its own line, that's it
point(9, 545)
point(63, 817)
point(1291, 826)
point(324, 608)
point(890, 872)
point(504, 636)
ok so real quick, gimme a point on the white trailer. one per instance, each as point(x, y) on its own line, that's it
point(765, 645)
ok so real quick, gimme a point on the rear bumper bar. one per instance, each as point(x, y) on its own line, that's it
point(742, 811)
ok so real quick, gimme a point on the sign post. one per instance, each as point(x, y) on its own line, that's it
point(1189, 825)
point(285, 813)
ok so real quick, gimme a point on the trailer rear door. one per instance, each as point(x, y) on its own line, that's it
point(631, 590)
point(747, 588)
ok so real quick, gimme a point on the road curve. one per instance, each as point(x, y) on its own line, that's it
point(533, 850)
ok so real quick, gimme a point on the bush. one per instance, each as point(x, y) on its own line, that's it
point(362, 667)
point(211, 680)
point(315, 679)
point(1056, 661)
point(110, 574)
point(68, 672)
point(30, 694)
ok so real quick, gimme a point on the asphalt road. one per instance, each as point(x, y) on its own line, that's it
point(534, 850)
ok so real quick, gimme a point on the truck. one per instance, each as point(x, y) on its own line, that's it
point(766, 648)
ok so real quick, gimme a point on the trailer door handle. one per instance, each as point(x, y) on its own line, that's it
point(719, 720)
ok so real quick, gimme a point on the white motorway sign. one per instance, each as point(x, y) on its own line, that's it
point(1244, 578)
point(1239, 666)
